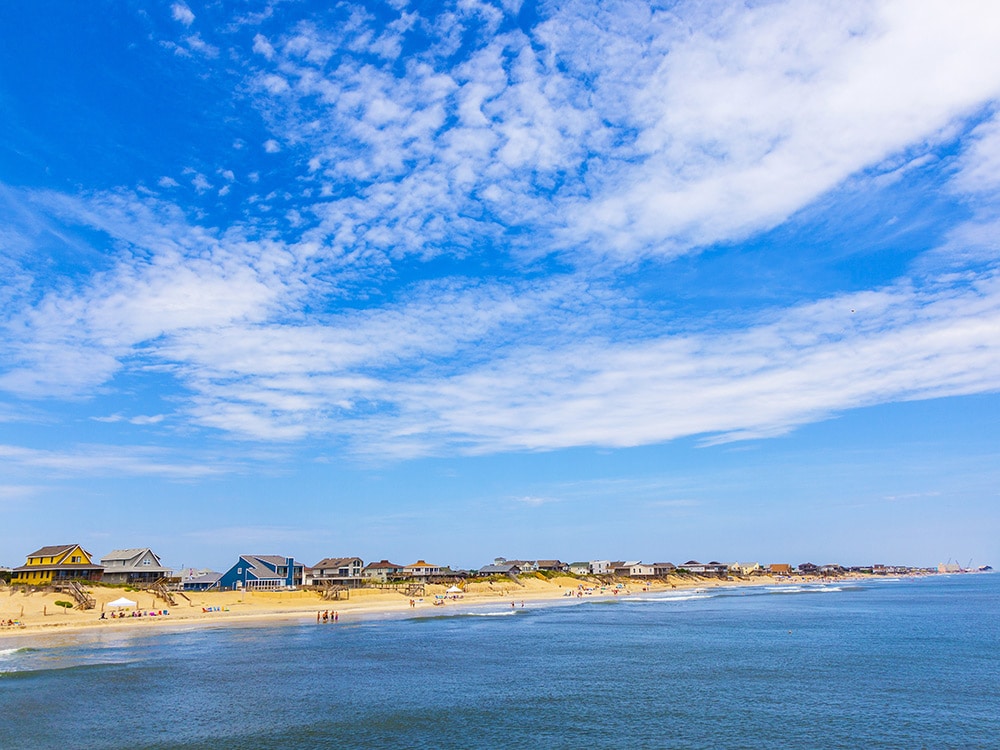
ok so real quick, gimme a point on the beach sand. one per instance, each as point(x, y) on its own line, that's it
point(37, 613)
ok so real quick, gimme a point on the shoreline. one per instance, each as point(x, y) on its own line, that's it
point(43, 621)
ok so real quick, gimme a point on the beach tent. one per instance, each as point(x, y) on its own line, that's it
point(454, 590)
point(122, 602)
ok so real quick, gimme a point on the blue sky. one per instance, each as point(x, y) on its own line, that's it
point(455, 280)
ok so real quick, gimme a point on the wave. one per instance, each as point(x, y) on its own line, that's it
point(678, 598)
point(461, 615)
point(804, 589)
point(4, 652)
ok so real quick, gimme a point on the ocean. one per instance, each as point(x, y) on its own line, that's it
point(874, 664)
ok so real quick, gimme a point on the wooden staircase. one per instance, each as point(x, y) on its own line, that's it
point(413, 589)
point(74, 589)
point(336, 592)
point(159, 588)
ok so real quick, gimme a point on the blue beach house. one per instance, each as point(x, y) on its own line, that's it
point(263, 573)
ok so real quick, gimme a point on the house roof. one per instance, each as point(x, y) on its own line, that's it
point(54, 551)
point(273, 559)
point(383, 564)
point(505, 568)
point(335, 562)
point(550, 563)
point(125, 554)
point(204, 578)
point(422, 564)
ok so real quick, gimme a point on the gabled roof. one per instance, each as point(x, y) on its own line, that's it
point(505, 568)
point(131, 554)
point(272, 559)
point(125, 554)
point(54, 551)
point(383, 564)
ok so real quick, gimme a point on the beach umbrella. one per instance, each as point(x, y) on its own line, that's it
point(122, 602)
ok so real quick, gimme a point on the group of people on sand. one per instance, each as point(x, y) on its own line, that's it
point(137, 613)
point(11, 623)
point(327, 616)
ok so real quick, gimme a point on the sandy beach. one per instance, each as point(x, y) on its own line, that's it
point(37, 614)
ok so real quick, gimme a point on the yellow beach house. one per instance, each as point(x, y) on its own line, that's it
point(59, 563)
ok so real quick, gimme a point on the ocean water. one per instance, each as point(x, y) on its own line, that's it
point(887, 664)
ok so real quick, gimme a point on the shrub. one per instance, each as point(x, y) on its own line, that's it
point(67, 605)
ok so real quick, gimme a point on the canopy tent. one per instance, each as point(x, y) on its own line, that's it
point(454, 590)
point(122, 602)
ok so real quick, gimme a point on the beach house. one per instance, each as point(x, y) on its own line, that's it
point(663, 569)
point(57, 563)
point(556, 566)
point(203, 581)
point(134, 565)
point(600, 567)
point(382, 571)
point(706, 569)
point(503, 569)
point(623, 568)
point(263, 573)
point(422, 571)
point(336, 571)
point(780, 569)
point(641, 570)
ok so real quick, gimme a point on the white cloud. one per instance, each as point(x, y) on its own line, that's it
point(760, 111)
point(263, 47)
point(201, 183)
point(137, 420)
point(979, 165)
point(182, 13)
point(271, 146)
point(108, 460)
point(196, 44)
point(534, 500)
point(167, 182)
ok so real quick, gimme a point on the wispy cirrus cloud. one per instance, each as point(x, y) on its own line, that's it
point(109, 460)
